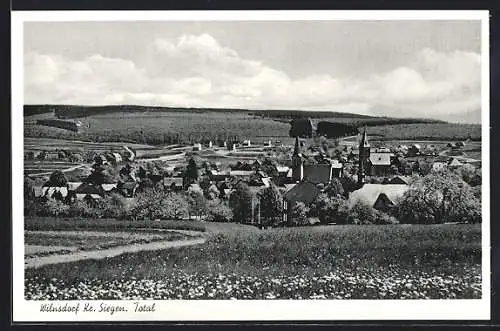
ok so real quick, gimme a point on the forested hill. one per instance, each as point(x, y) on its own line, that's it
point(75, 111)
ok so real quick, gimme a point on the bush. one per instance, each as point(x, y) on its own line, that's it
point(361, 213)
point(439, 198)
point(299, 214)
point(218, 211)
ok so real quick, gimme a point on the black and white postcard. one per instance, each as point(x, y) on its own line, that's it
point(250, 165)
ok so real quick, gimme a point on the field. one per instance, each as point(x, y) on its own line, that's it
point(166, 128)
point(333, 262)
point(37, 242)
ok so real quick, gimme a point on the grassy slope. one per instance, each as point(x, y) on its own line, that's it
point(317, 250)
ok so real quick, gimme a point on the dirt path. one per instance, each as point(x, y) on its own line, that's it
point(36, 262)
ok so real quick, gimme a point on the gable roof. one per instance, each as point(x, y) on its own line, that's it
point(304, 191)
point(87, 188)
point(380, 158)
point(454, 163)
point(49, 190)
point(73, 185)
point(383, 201)
point(403, 180)
point(318, 173)
point(369, 193)
point(108, 187)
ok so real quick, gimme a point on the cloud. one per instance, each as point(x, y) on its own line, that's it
point(197, 71)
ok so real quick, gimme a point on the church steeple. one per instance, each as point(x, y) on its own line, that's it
point(296, 150)
point(364, 141)
point(364, 156)
point(297, 164)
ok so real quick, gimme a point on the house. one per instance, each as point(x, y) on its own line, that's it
point(414, 150)
point(247, 143)
point(379, 163)
point(197, 147)
point(87, 190)
point(72, 186)
point(268, 144)
point(337, 168)
point(318, 173)
point(218, 176)
point(53, 192)
point(173, 183)
point(438, 166)
point(305, 192)
point(117, 157)
point(108, 188)
point(382, 197)
point(454, 163)
point(210, 145)
point(241, 173)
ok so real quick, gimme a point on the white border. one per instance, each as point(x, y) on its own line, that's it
point(28, 311)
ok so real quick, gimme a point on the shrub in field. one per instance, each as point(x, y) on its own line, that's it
point(330, 209)
point(271, 205)
point(240, 202)
point(218, 211)
point(335, 188)
point(153, 204)
point(361, 213)
point(299, 214)
point(57, 208)
point(439, 198)
point(197, 204)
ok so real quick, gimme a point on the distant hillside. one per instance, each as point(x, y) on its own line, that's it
point(75, 111)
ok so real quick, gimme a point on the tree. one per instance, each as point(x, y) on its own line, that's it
point(205, 183)
point(155, 204)
point(57, 178)
point(269, 167)
point(218, 211)
point(240, 201)
point(329, 209)
point(103, 175)
point(361, 213)
point(335, 188)
point(42, 155)
point(191, 174)
point(470, 174)
point(212, 192)
point(439, 198)
point(57, 207)
point(271, 205)
point(114, 206)
point(196, 203)
point(299, 214)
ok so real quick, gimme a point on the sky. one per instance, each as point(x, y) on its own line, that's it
point(429, 69)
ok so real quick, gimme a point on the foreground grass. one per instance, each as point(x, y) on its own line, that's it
point(76, 223)
point(85, 240)
point(318, 262)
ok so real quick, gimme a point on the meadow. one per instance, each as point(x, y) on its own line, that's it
point(165, 128)
point(323, 262)
point(93, 240)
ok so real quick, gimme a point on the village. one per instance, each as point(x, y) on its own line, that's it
point(375, 174)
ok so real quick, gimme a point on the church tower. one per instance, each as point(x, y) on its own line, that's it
point(297, 163)
point(364, 156)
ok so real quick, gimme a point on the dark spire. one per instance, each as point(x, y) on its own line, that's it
point(364, 140)
point(296, 150)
